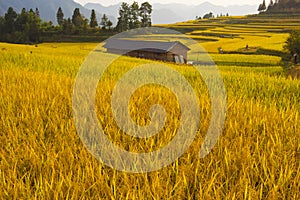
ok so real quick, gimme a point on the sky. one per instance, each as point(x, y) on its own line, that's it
point(187, 2)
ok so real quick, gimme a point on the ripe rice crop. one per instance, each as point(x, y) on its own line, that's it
point(42, 157)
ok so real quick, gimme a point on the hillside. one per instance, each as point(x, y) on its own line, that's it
point(284, 6)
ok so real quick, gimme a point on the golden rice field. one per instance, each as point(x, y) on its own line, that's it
point(235, 33)
point(42, 157)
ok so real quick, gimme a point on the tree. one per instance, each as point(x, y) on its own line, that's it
point(2, 28)
point(31, 11)
point(10, 18)
point(123, 20)
point(67, 26)
point(292, 44)
point(27, 27)
point(37, 13)
point(262, 7)
point(145, 13)
point(93, 21)
point(133, 16)
point(109, 24)
point(104, 21)
point(21, 21)
point(77, 18)
point(208, 15)
point(60, 16)
point(134, 13)
point(32, 27)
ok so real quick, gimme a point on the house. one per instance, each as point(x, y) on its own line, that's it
point(154, 50)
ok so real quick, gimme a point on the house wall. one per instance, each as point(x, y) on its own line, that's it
point(180, 50)
point(148, 55)
point(116, 51)
point(170, 57)
point(176, 51)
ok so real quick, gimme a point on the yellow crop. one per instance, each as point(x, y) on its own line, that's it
point(42, 157)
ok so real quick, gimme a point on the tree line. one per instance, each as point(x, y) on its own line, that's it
point(28, 27)
point(20, 28)
point(134, 16)
point(279, 6)
point(78, 24)
point(210, 15)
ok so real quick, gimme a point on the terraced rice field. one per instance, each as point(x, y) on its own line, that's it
point(257, 156)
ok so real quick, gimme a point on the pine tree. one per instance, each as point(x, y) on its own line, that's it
point(37, 13)
point(123, 20)
point(32, 27)
point(145, 13)
point(60, 16)
point(93, 22)
point(21, 21)
point(262, 7)
point(292, 44)
point(77, 19)
point(10, 18)
point(104, 21)
point(134, 16)
point(67, 26)
point(109, 24)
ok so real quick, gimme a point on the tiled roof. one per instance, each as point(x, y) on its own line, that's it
point(132, 45)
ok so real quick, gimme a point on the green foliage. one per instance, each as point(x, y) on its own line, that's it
point(60, 16)
point(67, 26)
point(262, 7)
point(109, 24)
point(32, 28)
point(93, 22)
point(77, 18)
point(134, 16)
point(79, 22)
point(104, 22)
point(37, 13)
point(284, 6)
point(21, 21)
point(208, 16)
point(123, 20)
point(27, 27)
point(292, 45)
point(2, 23)
point(21, 28)
point(145, 13)
point(10, 18)
point(134, 21)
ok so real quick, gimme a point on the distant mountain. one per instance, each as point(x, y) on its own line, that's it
point(48, 8)
point(162, 13)
point(174, 12)
point(165, 16)
point(111, 10)
point(188, 12)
